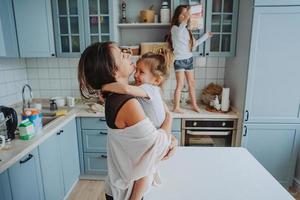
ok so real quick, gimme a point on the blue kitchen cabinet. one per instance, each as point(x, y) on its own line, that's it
point(277, 3)
point(51, 168)
point(34, 28)
point(95, 163)
point(69, 154)
point(275, 146)
point(60, 162)
point(176, 129)
point(25, 178)
point(8, 36)
point(5, 191)
point(79, 23)
point(220, 18)
point(273, 75)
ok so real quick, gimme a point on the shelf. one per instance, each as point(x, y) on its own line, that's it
point(143, 25)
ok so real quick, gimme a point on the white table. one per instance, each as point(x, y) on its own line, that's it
point(215, 173)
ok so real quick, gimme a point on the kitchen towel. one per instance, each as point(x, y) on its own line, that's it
point(225, 99)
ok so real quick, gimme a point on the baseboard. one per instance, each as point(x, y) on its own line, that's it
point(297, 184)
point(71, 189)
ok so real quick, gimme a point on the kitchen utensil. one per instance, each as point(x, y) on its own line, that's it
point(60, 101)
point(11, 122)
point(53, 105)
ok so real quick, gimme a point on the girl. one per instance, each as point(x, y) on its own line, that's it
point(182, 43)
point(134, 145)
point(151, 71)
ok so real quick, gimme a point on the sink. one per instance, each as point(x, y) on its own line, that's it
point(46, 120)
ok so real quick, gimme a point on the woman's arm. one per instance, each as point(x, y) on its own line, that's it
point(125, 89)
point(202, 39)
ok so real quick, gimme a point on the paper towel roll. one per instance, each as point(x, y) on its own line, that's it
point(225, 99)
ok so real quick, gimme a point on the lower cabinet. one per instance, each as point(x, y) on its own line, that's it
point(176, 129)
point(95, 163)
point(25, 178)
point(275, 146)
point(5, 191)
point(60, 162)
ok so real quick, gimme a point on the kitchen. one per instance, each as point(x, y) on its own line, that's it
point(44, 52)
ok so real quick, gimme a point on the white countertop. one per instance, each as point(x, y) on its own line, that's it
point(215, 173)
point(19, 148)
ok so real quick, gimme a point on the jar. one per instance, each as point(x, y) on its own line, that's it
point(165, 13)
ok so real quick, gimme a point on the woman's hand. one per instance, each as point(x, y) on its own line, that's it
point(172, 148)
point(210, 34)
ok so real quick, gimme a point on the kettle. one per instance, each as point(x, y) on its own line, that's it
point(11, 122)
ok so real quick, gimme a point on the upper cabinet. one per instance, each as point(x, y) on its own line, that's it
point(79, 23)
point(8, 37)
point(221, 20)
point(34, 28)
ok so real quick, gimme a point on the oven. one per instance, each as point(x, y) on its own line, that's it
point(209, 132)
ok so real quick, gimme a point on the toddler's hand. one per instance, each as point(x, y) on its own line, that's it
point(210, 34)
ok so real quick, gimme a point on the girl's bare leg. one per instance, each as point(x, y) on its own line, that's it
point(139, 188)
point(191, 83)
point(177, 93)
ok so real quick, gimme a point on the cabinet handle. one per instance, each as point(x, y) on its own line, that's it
point(52, 54)
point(102, 119)
point(103, 156)
point(102, 133)
point(246, 130)
point(60, 132)
point(207, 54)
point(26, 159)
point(298, 109)
point(201, 54)
point(247, 116)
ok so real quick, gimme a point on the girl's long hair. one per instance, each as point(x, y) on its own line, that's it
point(175, 21)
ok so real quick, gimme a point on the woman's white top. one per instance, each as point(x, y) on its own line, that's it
point(133, 152)
point(154, 105)
point(180, 40)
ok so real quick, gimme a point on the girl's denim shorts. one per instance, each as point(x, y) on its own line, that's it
point(184, 64)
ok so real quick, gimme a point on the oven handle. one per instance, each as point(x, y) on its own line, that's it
point(208, 132)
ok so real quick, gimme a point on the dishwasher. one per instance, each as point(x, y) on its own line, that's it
point(209, 132)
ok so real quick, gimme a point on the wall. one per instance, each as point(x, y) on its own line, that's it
point(58, 76)
point(12, 78)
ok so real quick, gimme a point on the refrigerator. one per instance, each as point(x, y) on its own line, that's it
point(264, 79)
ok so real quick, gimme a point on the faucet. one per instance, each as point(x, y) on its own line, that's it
point(23, 96)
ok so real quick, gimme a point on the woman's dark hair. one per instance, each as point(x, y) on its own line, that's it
point(175, 21)
point(96, 67)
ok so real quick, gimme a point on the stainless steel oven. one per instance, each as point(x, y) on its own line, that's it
point(209, 132)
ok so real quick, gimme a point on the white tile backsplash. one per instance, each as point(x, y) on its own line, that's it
point(58, 77)
point(13, 76)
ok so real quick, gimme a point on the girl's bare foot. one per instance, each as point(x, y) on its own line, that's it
point(196, 108)
point(177, 110)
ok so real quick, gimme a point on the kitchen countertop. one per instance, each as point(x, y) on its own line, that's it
point(17, 148)
point(221, 173)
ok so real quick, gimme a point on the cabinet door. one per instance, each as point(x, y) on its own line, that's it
point(275, 147)
point(34, 28)
point(98, 21)
point(51, 169)
point(273, 77)
point(221, 20)
point(95, 163)
point(8, 37)
point(25, 178)
point(5, 191)
point(68, 26)
point(69, 155)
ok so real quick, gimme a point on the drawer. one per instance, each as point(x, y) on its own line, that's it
point(176, 126)
point(94, 140)
point(93, 123)
point(95, 163)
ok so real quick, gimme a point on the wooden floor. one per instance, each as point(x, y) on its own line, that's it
point(94, 190)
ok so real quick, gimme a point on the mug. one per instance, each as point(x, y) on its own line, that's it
point(3, 141)
point(71, 101)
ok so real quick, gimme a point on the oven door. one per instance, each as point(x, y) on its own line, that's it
point(208, 138)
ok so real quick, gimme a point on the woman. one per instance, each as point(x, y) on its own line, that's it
point(134, 145)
